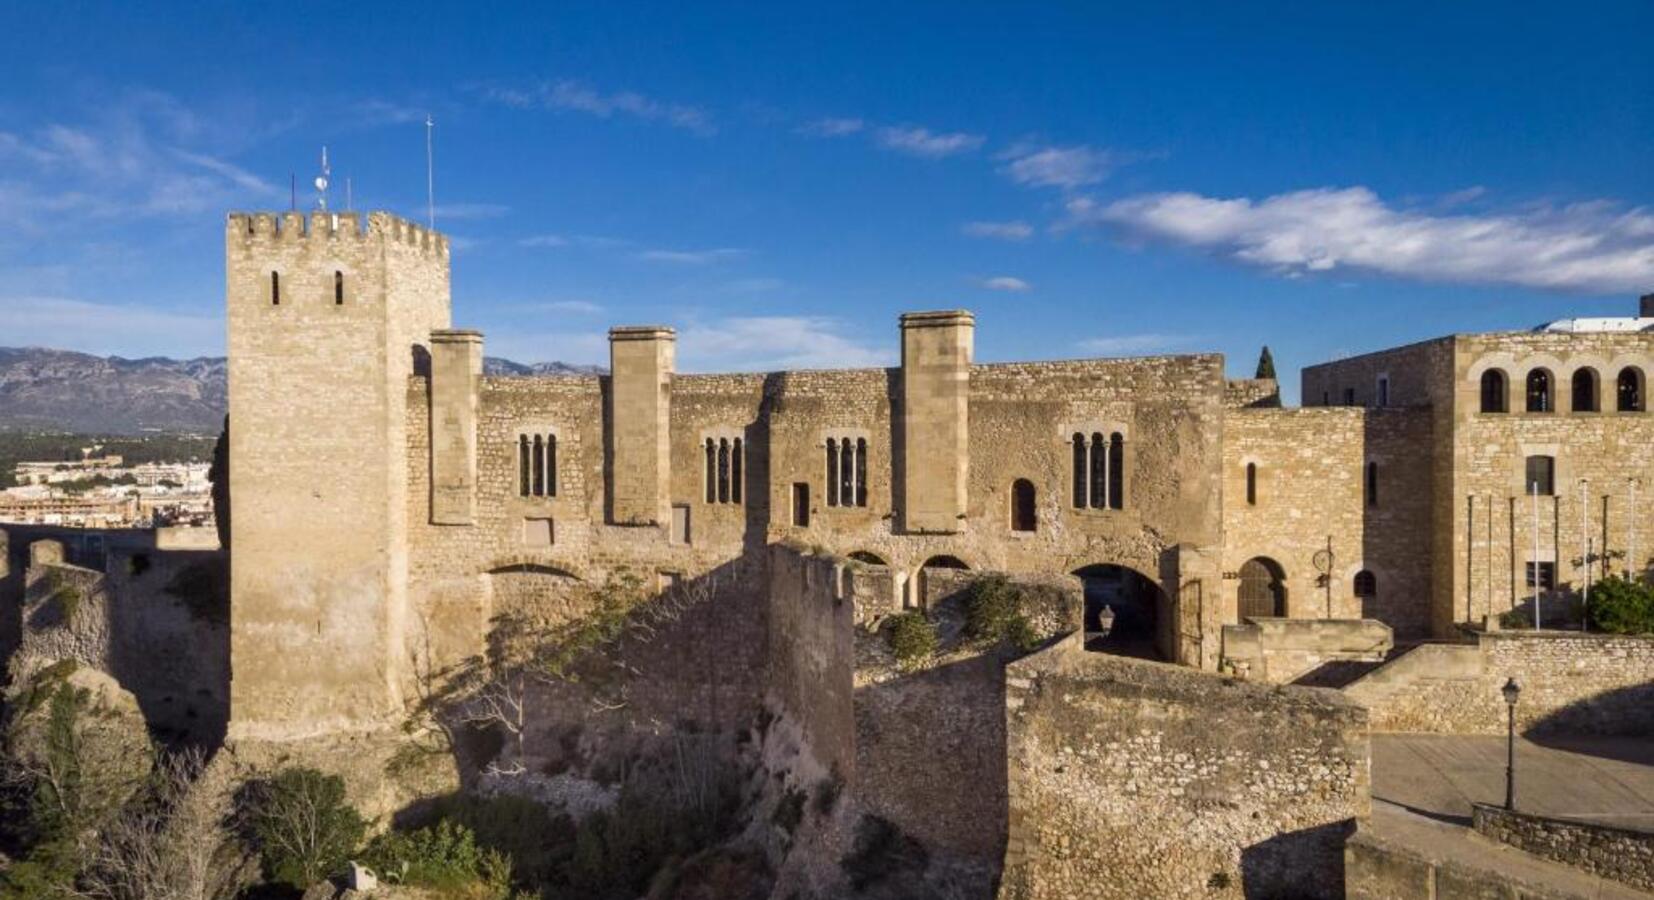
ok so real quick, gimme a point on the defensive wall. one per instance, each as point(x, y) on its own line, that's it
point(1133, 779)
point(1571, 682)
point(1625, 855)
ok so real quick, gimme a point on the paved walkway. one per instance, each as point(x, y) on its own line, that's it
point(1609, 780)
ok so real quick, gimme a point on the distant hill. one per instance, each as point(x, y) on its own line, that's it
point(82, 393)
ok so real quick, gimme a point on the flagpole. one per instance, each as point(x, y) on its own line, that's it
point(430, 176)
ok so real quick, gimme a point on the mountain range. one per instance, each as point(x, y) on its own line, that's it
point(79, 392)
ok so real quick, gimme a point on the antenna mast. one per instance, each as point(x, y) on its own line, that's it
point(430, 176)
point(321, 182)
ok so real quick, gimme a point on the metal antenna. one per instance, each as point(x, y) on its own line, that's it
point(430, 175)
point(321, 182)
point(349, 204)
point(292, 192)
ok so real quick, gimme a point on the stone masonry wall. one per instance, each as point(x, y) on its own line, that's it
point(1311, 490)
point(1135, 779)
point(1622, 854)
point(1571, 683)
point(812, 649)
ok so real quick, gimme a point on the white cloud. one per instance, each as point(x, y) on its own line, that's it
point(754, 285)
point(831, 127)
point(1005, 231)
point(544, 240)
point(1005, 283)
point(773, 343)
point(109, 329)
point(1592, 247)
point(1051, 166)
point(573, 307)
point(1135, 344)
point(692, 257)
point(571, 95)
point(923, 142)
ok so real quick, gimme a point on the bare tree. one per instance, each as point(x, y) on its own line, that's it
point(174, 845)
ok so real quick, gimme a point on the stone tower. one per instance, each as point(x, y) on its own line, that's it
point(935, 426)
point(640, 399)
point(327, 322)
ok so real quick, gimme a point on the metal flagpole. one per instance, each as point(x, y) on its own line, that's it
point(1585, 539)
point(1536, 584)
point(430, 176)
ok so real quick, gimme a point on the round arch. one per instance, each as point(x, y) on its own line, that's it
point(1143, 615)
point(921, 580)
point(869, 557)
point(1262, 589)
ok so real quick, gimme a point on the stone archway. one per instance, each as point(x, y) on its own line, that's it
point(920, 582)
point(1144, 621)
point(1262, 589)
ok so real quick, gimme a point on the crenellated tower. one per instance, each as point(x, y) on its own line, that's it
point(328, 317)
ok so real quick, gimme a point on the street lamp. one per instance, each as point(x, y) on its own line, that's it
point(1105, 621)
point(1512, 692)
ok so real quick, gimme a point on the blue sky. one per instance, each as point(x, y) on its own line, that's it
point(780, 183)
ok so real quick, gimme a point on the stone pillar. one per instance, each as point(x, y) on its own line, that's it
point(640, 411)
point(935, 420)
point(456, 379)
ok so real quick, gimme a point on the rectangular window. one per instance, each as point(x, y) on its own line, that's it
point(1384, 392)
point(801, 504)
point(1546, 572)
point(1349, 396)
point(1541, 474)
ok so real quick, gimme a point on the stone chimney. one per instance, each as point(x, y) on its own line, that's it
point(640, 409)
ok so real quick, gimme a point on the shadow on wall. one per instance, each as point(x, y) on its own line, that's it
point(1625, 711)
point(1270, 866)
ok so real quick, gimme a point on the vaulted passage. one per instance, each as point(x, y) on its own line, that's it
point(1142, 612)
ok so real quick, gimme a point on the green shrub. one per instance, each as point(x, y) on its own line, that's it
point(444, 857)
point(993, 614)
point(1622, 606)
point(522, 830)
point(302, 826)
point(912, 638)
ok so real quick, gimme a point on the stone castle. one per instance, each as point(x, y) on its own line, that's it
point(381, 481)
point(390, 502)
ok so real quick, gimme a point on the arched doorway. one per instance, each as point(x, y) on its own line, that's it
point(1142, 612)
point(941, 561)
point(1262, 588)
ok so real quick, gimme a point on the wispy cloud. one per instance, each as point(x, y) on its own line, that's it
point(1136, 344)
point(771, 343)
point(1052, 166)
point(388, 112)
point(831, 127)
point(1005, 283)
point(1004, 231)
point(1592, 247)
point(576, 96)
point(692, 257)
point(567, 307)
point(109, 329)
point(926, 143)
point(544, 240)
point(754, 285)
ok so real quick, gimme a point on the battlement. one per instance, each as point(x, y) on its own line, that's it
point(272, 228)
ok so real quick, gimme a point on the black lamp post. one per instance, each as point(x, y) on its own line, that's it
point(1512, 692)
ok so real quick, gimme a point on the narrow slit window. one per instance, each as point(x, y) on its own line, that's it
point(1372, 484)
point(723, 471)
point(1099, 471)
point(525, 477)
point(539, 466)
point(711, 471)
point(1079, 471)
point(275, 288)
point(1117, 471)
point(847, 473)
point(735, 472)
point(1251, 484)
point(861, 471)
point(338, 289)
point(551, 465)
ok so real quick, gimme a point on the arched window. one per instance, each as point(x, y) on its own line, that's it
point(1372, 484)
point(1366, 585)
point(1628, 389)
point(1099, 470)
point(1262, 588)
point(1116, 471)
point(847, 473)
point(1585, 390)
point(525, 477)
point(537, 465)
point(338, 288)
point(832, 472)
point(860, 472)
point(735, 472)
point(1023, 508)
point(723, 470)
point(1539, 391)
point(1541, 474)
point(1251, 484)
point(711, 471)
point(1081, 462)
point(275, 288)
point(1493, 391)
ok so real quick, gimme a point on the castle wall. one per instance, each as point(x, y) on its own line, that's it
point(1135, 779)
point(319, 513)
point(1311, 494)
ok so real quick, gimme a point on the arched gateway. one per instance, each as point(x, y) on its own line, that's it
point(1143, 617)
